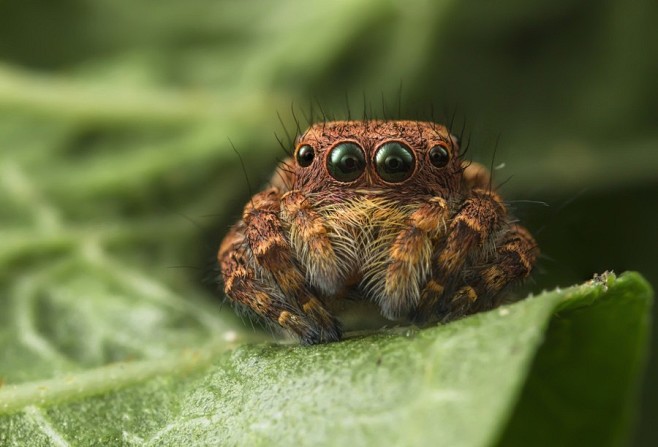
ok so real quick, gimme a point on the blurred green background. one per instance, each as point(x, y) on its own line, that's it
point(115, 117)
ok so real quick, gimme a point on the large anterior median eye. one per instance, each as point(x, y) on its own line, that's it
point(394, 162)
point(346, 162)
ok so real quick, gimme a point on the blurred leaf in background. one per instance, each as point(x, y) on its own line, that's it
point(117, 178)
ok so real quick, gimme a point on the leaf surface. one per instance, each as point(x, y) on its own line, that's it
point(515, 371)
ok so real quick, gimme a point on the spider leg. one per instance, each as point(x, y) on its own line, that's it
point(514, 259)
point(471, 232)
point(475, 175)
point(262, 275)
point(309, 240)
point(410, 256)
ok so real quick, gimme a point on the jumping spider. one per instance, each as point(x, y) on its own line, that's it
point(386, 211)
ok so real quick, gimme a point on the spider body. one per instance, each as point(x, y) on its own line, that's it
point(382, 210)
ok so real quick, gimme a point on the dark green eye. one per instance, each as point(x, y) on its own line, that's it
point(305, 156)
point(439, 156)
point(346, 162)
point(394, 162)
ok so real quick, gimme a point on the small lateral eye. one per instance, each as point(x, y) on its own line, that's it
point(305, 155)
point(439, 156)
point(394, 162)
point(346, 162)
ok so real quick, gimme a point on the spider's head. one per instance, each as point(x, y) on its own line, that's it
point(377, 157)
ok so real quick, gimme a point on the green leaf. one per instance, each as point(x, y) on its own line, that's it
point(582, 387)
point(556, 369)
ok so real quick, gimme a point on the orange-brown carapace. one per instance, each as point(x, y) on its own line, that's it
point(384, 211)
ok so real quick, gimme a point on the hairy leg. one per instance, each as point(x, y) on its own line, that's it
point(309, 239)
point(261, 273)
point(475, 176)
point(515, 256)
point(410, 257)
point(470, 234)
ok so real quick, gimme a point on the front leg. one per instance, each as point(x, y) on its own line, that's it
point(514, 259)
point(262, 275)
point(410, 258)
point(309, 240)
point(470, 234)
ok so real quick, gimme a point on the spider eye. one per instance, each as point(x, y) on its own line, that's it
point(305, 156)
point(394, 162)
point(346, 162)
point(439, 156)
